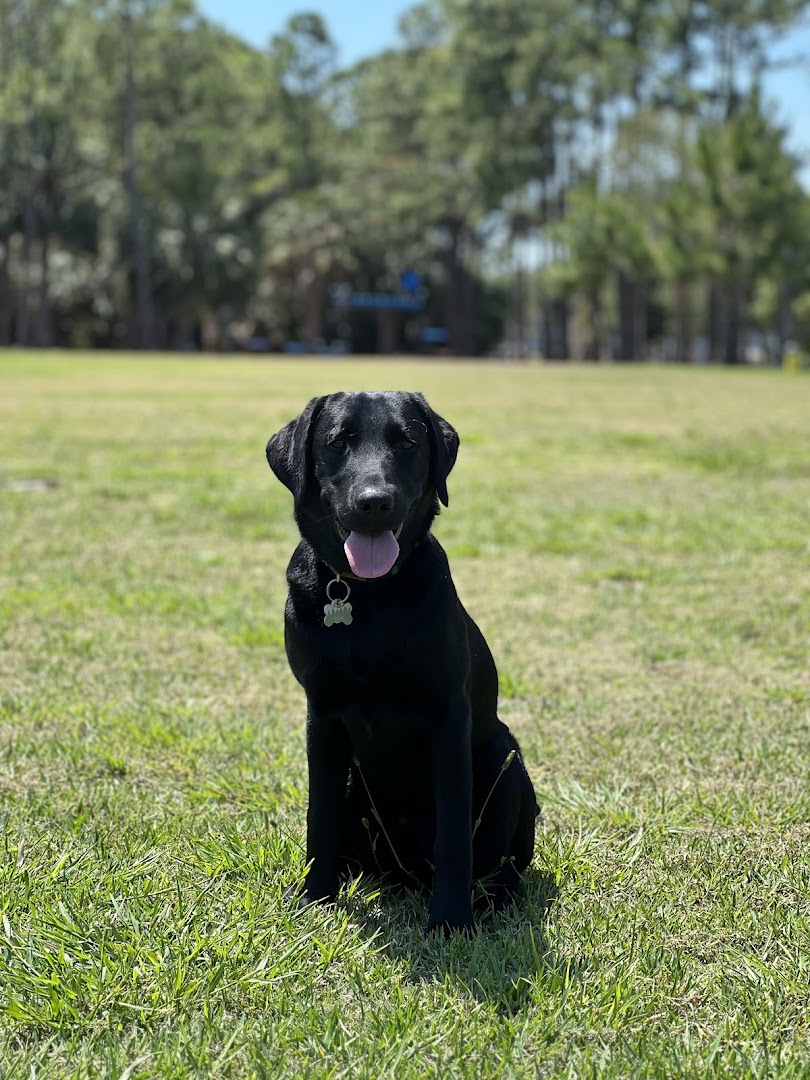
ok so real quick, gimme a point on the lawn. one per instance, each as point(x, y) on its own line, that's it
point(635, 544)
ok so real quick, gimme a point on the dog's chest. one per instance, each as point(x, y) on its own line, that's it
point(386, 654)
point(384, 690)
point(386, 737)
point(379, 689)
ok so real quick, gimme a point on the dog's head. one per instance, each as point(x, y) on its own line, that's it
point(367, 471)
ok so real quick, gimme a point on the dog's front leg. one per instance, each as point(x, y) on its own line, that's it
point(328, 759)
point(451, 906)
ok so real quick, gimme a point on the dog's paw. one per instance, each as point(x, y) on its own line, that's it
point(448, 923)
point(304, 898)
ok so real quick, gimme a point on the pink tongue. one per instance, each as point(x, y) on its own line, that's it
point(371, 556)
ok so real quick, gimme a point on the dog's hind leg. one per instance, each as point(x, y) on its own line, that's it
point(504, 816)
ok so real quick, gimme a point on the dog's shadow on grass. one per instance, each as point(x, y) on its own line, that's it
point(498, 962)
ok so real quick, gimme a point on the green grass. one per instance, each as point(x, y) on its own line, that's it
point(635, 543)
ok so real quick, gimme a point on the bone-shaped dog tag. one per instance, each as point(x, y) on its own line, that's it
point(338, 611)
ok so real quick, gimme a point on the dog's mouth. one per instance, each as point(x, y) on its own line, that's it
point(370, 555)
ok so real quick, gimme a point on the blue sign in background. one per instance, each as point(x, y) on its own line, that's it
point(369, 301)
point(410, 281)
point(413, 300)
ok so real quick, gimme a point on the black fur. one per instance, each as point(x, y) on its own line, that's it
point(404, 745)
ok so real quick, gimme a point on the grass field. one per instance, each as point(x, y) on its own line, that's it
point(634, 542)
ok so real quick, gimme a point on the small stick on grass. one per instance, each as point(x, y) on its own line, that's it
point(510, 757)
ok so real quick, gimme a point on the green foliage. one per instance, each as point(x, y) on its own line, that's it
point(205, 188)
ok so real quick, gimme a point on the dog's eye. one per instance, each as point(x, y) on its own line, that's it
point(406, 443)
point(339, 442)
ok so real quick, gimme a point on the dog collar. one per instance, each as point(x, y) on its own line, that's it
point(341, 575)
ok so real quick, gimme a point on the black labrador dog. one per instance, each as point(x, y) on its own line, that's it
point(411, 773)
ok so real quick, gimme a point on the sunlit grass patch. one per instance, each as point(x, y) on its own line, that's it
point(633, 541)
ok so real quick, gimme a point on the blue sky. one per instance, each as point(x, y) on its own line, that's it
point(362, 29)
point(359, 29)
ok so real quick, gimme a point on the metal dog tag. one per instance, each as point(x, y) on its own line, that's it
point(337, 611)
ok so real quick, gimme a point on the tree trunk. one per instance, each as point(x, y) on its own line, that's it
point(555, 317)
point(641, 320)
point(140, 253)
point(43, 330)
point(458, 320)
point(314, 307)
point(683, 323)
point(24, 328)
point(562, 323)
point(593, 349)
point(519, 300)
point(387, 328)
point(627, 294)
point(632, 297)
point(468, 310)
point(732, 351)
point(785, 314)
point(716, 324)
point(6, 299)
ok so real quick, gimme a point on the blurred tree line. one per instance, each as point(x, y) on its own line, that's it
point(587, 177)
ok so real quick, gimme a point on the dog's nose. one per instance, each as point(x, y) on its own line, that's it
point(375, 502)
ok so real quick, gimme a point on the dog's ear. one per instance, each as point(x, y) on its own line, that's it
point(288, 451)
point(443, 448)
